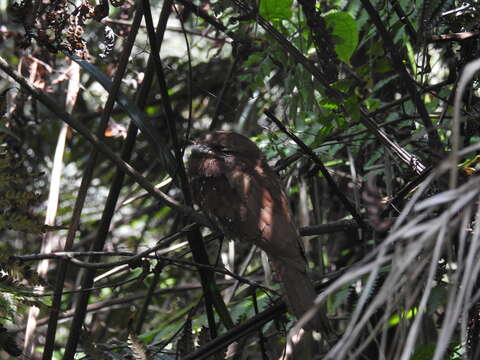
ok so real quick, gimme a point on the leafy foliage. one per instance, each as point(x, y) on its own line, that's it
point(15, 200)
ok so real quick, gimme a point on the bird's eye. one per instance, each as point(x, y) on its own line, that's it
point(222, 149)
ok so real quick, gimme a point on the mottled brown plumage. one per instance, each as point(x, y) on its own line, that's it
point(235, 186)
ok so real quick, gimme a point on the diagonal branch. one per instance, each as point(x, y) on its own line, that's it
point(397, 61)
point(410, 160)
point(75, 329)
point(212, 293)
point(52, 105)
point(348, 205)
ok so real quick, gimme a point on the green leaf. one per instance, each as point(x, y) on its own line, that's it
point(424, 352)
point(276, 9)
point(351, 105)
point(345, 33)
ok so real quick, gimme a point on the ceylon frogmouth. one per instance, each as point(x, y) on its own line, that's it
point(233, 183)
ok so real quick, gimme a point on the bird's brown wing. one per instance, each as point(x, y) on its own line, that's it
point(251, 207)
point(265, 215)
point(265, 207)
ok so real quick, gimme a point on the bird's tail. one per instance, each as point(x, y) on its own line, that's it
point(300, 294)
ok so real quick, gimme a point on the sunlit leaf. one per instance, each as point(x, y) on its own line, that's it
point(276, 9)
point(345, 33)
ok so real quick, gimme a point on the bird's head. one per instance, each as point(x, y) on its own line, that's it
point(224, 144)
point(220, 151)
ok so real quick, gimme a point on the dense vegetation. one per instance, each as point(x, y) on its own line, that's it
point(367, 109)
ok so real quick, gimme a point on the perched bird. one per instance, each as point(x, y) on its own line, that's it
point(233, 183)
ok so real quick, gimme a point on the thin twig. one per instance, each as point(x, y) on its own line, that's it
point(212, 294)
point(412, 161)
point(104, 149)
point(82, 193)
point(396, 60)
point(314, 157)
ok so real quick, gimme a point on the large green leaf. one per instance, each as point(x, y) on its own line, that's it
point(345, 33)
point(276, 9)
